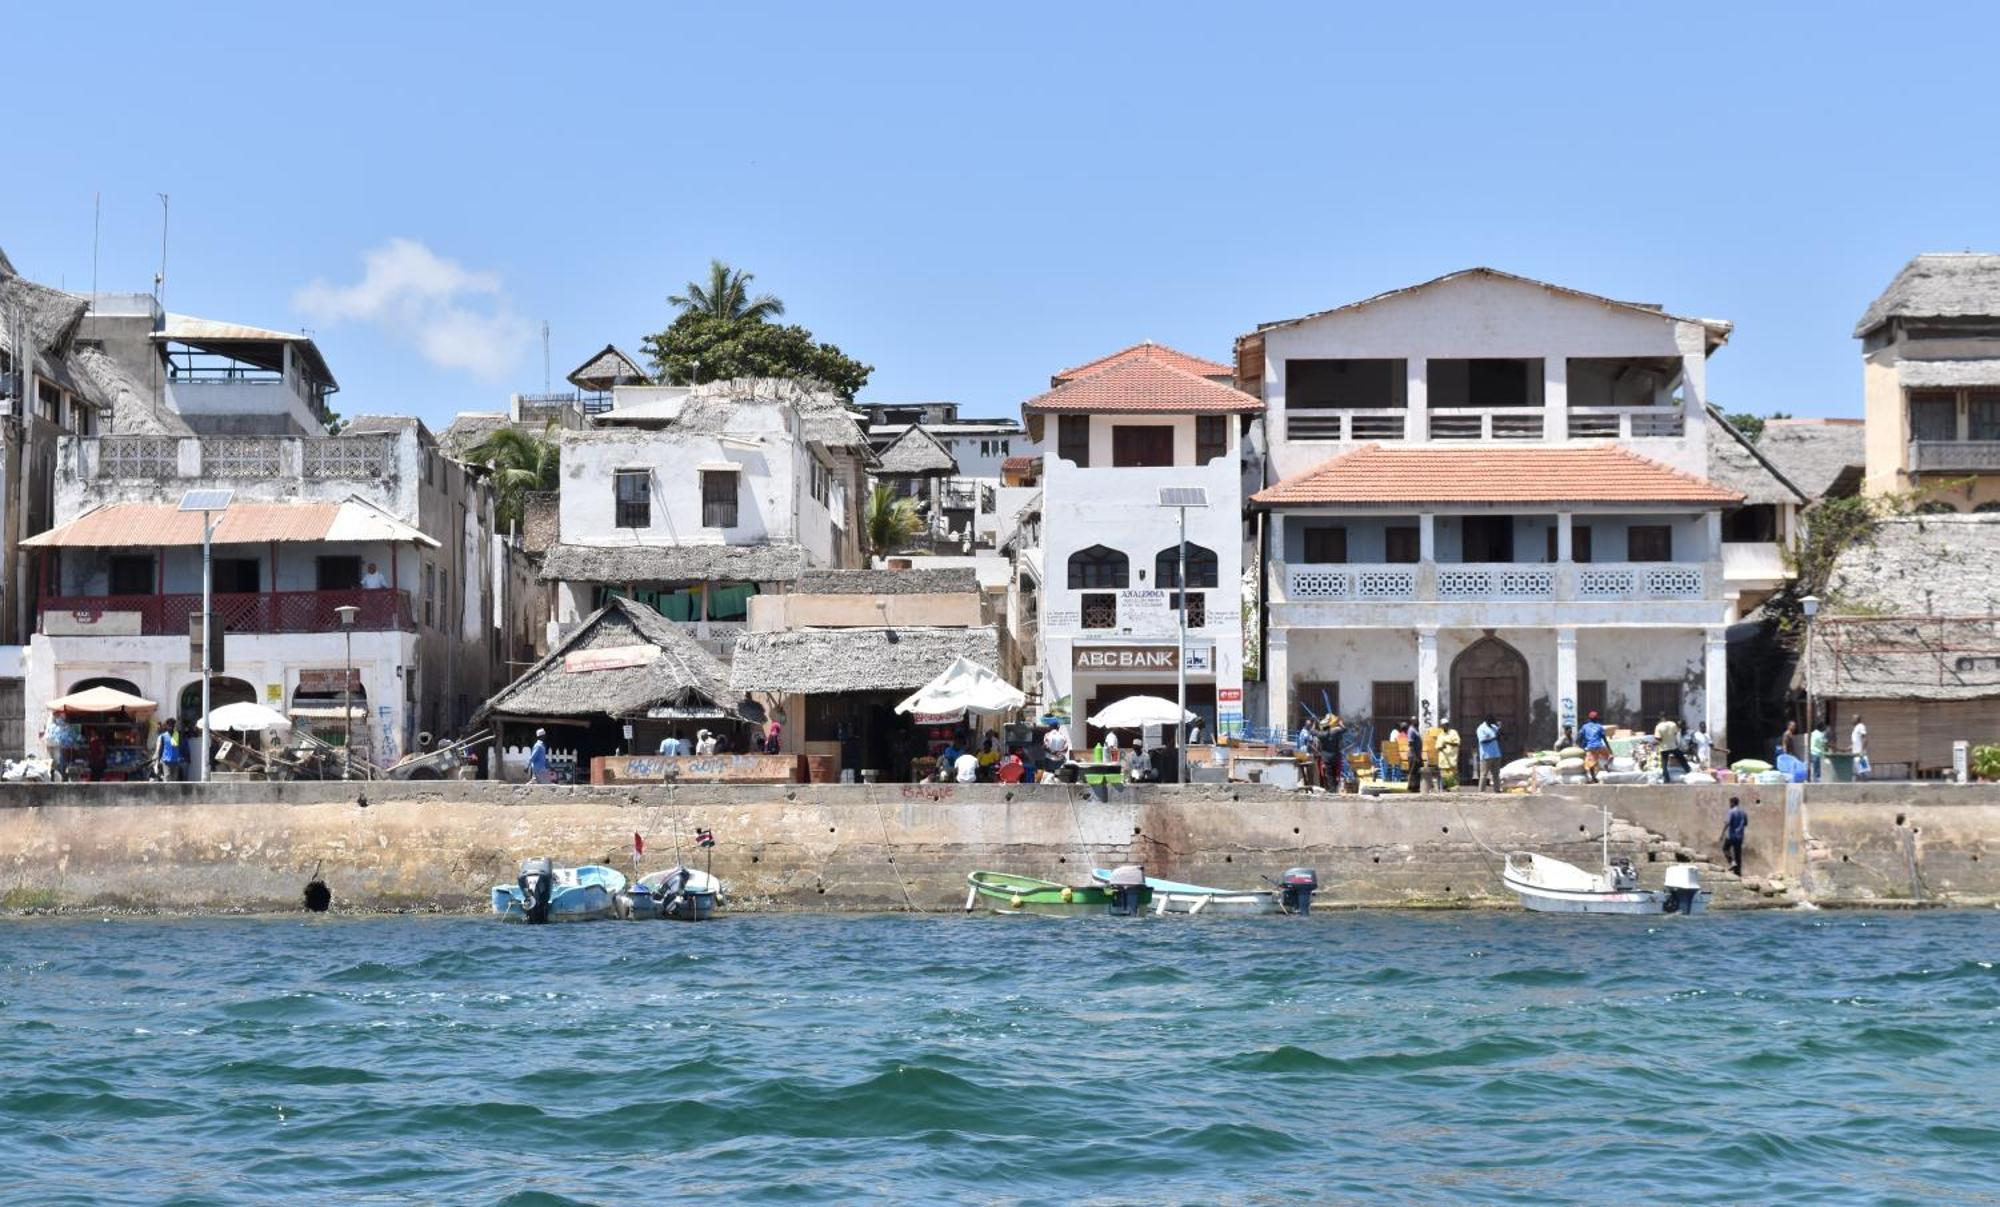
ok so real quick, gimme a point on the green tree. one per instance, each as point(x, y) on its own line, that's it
point(522, 464)
point(699, 347)
point(1752, 426)
point(889, 522)
point(727, 296)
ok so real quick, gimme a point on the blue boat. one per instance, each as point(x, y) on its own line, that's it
point(546, 893)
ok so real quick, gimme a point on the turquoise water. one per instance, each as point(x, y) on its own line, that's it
point(1346, 1057)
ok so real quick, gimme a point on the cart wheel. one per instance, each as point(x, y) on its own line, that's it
point(424, 773)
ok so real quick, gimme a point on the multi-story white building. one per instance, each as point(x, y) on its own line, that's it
point(1116, 433)
point(1490, 495)
point(966, 499)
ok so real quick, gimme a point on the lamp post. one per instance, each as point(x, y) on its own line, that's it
point(1180, 498)
point(209, 503)
point(1810, 606)
point(347, 613)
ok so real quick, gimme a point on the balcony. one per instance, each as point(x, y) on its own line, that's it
point(1955, 456)
point(1626, 423)
point(1464, 582)
point(1485, 423)
point(382, 609)
point(1373, 423)
point(236, 458)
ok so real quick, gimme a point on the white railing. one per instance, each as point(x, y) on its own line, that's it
point(1945, 456)
point(1626, 423)
point(1373, 423)
point(1459, 582)
point(1499, 581)
point(1312, 582)
point(1486, 423)
point(1664, 580)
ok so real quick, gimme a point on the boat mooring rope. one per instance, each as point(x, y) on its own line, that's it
point(908, 900)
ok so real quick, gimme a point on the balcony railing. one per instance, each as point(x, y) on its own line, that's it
point(1459, 582)
point(382, 609)
point(1374, 423)
point(1626, 423)
point(1954, 456)
point(236, 458)
point(1486, 423)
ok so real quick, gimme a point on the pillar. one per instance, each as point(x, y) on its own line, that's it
point(1715, 691)
point(1429, 706)
point(1566, 671)
point(1417, 398)
point(1278, 683)
point(1565, 530)
point(1427, 538)
point(1555, 398)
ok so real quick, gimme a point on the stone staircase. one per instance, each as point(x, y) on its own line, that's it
point(1650, 852)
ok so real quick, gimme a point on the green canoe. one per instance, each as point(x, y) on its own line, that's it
point(1005, 893)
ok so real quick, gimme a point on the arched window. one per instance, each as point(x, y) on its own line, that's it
point(1200, 564)
point(1986, 508)
point(1936, 507)
point(1098, 566)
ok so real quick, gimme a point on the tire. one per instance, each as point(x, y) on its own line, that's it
point(425, 773)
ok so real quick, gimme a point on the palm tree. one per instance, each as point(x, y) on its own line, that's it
point(727, 296)
point(522, 464)
point(889, 522)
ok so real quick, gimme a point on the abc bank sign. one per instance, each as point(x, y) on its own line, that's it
point(1138, 659)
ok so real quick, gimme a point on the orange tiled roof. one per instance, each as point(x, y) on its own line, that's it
point(1433, 474)
point(1148, 351)
point(1145, 385)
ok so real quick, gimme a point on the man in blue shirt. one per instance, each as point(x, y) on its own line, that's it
point(670, 746)
point(1489, 753)
point(538, 758)
point(1596, 746)
point(167, 748)
point(1732, 836)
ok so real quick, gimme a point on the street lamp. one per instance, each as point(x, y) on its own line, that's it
point(209, 503)
point(1810, 606)
point(1180, 498)
point(347, 613)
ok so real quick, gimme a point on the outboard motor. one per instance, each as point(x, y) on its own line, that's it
point(1623, 878)
point(1683, 889)
point(1128, 889)
point(538, 888)
point(1296, 890)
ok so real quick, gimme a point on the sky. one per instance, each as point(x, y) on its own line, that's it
point(971, 197)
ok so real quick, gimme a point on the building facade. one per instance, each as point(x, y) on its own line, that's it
point(1491, 496)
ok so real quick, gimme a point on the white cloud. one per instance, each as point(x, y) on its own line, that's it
point(457, 318)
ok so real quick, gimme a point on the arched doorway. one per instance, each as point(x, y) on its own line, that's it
point(221, 691)
point(1490, 678)
point(123, 685)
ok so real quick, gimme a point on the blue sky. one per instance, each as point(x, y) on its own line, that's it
point(970, 197)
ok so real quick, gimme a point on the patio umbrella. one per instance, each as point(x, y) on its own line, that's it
point(247, 716)
point(1137, 712)
point(101, 699)
point(964, 685)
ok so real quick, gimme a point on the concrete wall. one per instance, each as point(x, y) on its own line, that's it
point(839, 847)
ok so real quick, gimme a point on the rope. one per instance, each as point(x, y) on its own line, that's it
point(882, 820)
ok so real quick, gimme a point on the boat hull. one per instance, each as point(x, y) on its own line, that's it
point(1025, 895)
point(682, 894)
point(583, 903)
point(1543, 900)
point(1173, 897)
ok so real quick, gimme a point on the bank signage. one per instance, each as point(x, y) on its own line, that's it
point(329, 679)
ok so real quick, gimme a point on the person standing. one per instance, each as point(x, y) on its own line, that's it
point(1055, 748)
point(1788, 742)
point(538, 758)
point(372, 580)
point(1447, 750)
point(1857, 740)
point(1111, 746)
point(167, 749)
point(1733, 829)
point(1488, 734)
point(1596, 746)
point(1704, 747)
point(1667, 740)
point(1817, 745)
point(1332, 740)
point(967, 768)
point(1415, 737)
point(670, 746)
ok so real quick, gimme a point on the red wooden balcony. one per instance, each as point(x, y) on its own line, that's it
point(382, 609)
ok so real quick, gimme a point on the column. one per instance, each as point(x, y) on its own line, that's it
point(1555, 398)
point(1427, 537)
point(1278, 683)
point(1715, 691)
point(1566, 676)
point(1417, 398)
point(1429, 706)
point(1565, 528)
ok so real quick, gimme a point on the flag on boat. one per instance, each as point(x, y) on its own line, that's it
point(638, 843)
point(704, 838)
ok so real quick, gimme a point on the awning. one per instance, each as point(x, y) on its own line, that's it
point(101, 699)
point(150, 525)
point(317, 712)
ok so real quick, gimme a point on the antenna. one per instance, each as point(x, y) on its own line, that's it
point(96, 228)
point(160, 277)
point(545, 356)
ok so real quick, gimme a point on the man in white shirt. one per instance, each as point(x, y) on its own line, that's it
point(1858, 741)
point(1110, 745)
point(967, 767)
point(371, 578)
point(704, 743)
point(1055, 747)
point(670, 746)
point(1704, 746)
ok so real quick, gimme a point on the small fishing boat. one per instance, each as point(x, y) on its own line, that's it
point(1551, 886)
point(1293, 895)
point(546, 893)
point(682, 893)
point(1124, 893)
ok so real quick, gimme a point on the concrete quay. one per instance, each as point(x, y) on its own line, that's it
point(441, 845)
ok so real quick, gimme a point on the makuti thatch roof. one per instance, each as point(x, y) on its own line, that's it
point(682, 676)
point(1938, 285)
point(816, 661)
point(1735, 462)
point(915, 454)
point(1921, 565)
point(606, 369)
point(764, 563)
point(932, 580)
point(1822, 458)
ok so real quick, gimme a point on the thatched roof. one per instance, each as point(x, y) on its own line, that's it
point(568, 562)
point(915, 454)
point(541, 520)
point(1824, 460)
point(1736, 463)
point(128, 404)
point(935, 581)
point(1938, 285)
point(1905, 658)
point(816, 661)
point(608, 368)
point(684, 675)
point(468, 429)
point(51, 315)
point(1926, 565)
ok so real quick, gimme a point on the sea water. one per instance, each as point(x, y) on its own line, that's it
point(1472, 1057)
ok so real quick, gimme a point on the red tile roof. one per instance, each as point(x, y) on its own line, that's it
point(1433, 474)
point(1147, 385)
point(1020, 465)
point(1148, 351)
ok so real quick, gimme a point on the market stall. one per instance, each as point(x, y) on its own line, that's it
point(99, 734)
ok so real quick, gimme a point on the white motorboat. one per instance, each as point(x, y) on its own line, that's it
point(1551, 886)
point(1292, 896)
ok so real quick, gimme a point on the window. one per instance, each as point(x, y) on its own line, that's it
point(1933, 415)
point(1200, 564)
point(337, 573)
point(430, 595)
point(1659, 698)
point(1316, 698)
point(1484, 383)
point(236, 576)
point(718, 499)
point(1098, 566)
point(1402, 544)
point(1757, 522)
point(1326, 545)
point(132, 574)
point(1983, 412)
point(1393, 701)
point(632, 490)
point(1073, 439)
point(1649, 543)
point(1591, 697)
point(1211, 437)
point(1324, 384)
point(1100, 611)
point(1197, 607)
point(1142, 446)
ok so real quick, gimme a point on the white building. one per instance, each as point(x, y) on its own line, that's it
point(1493, 496)
point(1117, 433)
point(967, 497)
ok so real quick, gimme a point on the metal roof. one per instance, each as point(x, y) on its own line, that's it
point(153, 525)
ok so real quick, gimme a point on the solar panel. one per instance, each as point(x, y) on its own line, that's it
point(206, 500)
point(1183, 496)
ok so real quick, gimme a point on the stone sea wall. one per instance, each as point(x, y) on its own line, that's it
point(441, 845)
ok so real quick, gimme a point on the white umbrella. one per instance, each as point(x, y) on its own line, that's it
point(964, 685)
point(247, 716)
point(1137, 712)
